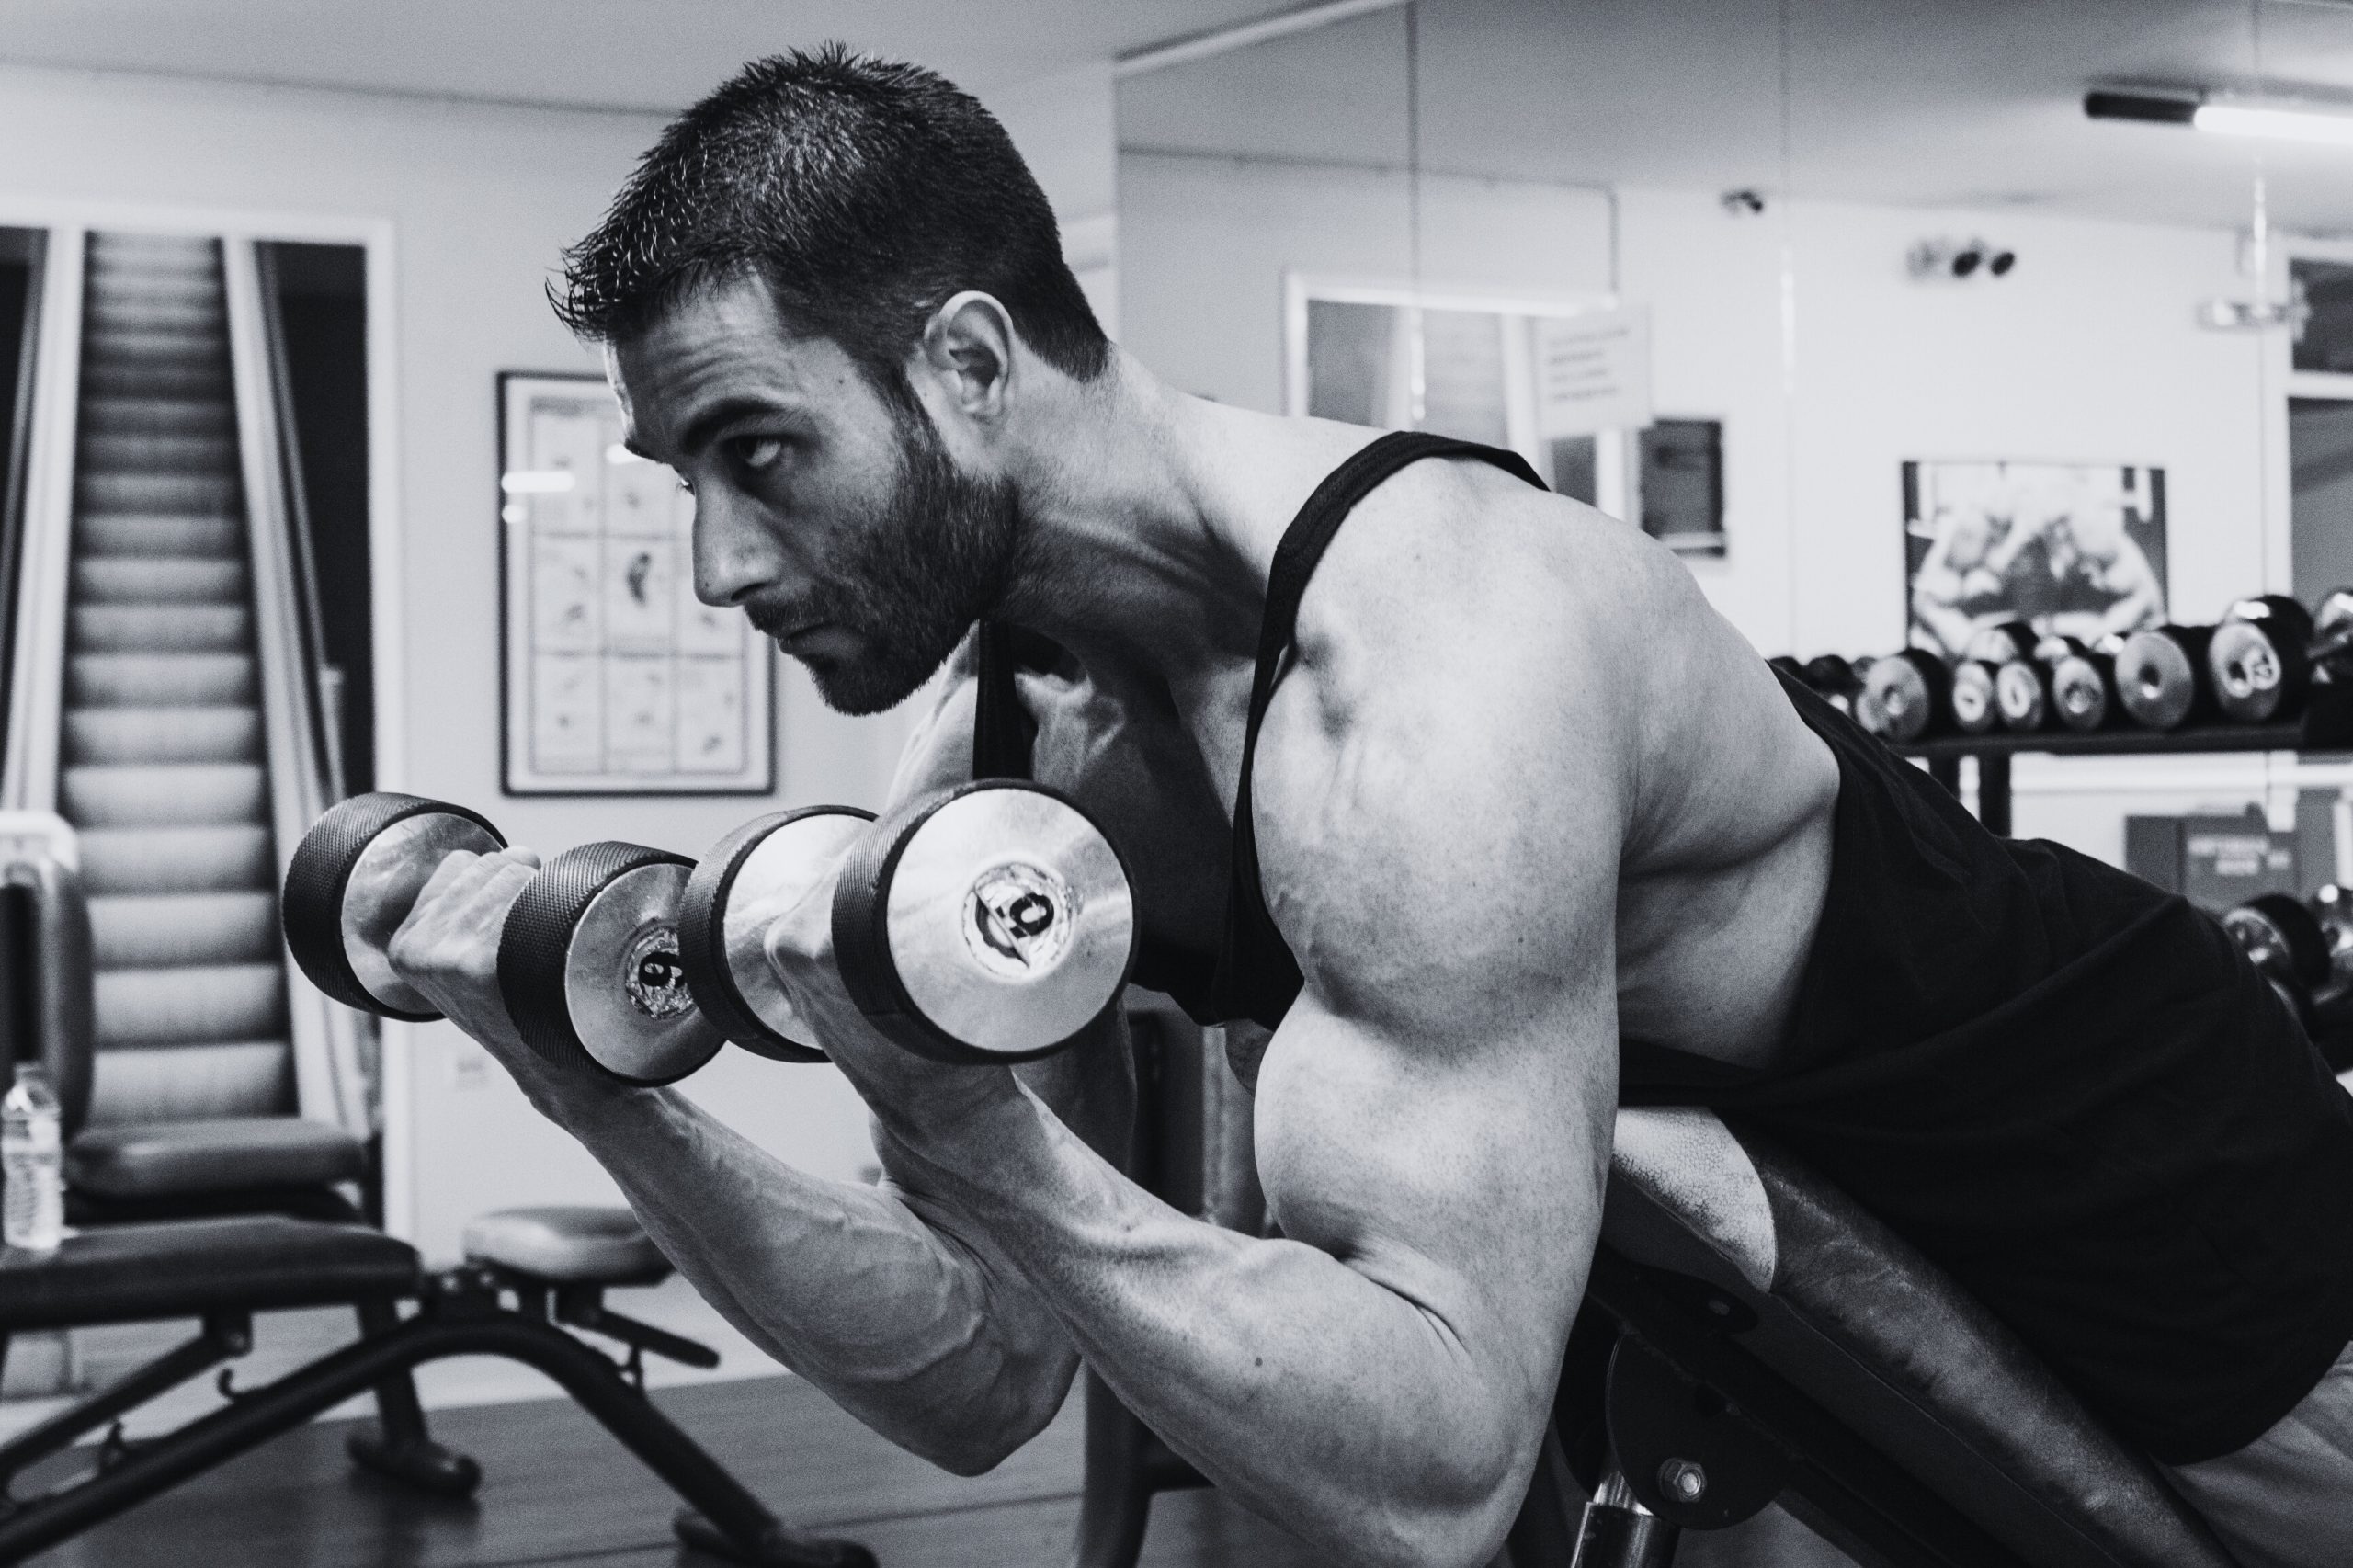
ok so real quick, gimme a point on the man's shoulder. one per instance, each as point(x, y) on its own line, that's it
point(1465, 566)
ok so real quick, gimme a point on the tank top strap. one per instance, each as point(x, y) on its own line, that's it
point(1256, 975)
point(1003, 733)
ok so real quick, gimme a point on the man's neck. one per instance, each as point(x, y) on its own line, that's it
point(1152, 517)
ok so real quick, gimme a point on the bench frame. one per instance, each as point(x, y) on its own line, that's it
point(461, 1314)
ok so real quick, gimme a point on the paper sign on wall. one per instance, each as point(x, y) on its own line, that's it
point(1593, 371)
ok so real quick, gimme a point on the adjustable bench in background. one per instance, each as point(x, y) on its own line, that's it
point(1769, 1342)
point(552, 1264)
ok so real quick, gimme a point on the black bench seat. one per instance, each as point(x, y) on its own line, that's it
point(191, 1268)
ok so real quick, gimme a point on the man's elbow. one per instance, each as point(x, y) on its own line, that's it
point(985, 1439)
point(1458, 1520)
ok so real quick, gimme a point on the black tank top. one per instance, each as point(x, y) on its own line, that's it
point(2067, 1087)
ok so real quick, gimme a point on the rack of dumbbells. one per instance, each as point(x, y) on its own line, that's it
point(2270, 676)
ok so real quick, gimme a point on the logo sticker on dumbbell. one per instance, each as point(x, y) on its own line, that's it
point(656, 980)
point(2256, 668)
point(1018, 920)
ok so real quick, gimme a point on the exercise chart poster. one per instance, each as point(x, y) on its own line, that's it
point(2075, 549)
point(616, 679)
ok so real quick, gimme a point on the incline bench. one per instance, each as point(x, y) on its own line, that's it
point(1770, 1341)
point(555, 1264)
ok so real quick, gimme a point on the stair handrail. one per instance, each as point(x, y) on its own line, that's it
point(45, 542)
point(329, 1077)
point(20, 441)
point(326, 712)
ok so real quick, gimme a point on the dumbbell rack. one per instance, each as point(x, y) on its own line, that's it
point(2325, 725)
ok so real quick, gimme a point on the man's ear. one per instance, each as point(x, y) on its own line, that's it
point(968, 346)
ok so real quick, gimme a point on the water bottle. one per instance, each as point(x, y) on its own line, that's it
point(32, 1159)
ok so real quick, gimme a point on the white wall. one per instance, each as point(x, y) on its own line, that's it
point(480, 200)
point(2086, 352)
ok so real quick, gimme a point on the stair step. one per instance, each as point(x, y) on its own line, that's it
point(212, 453)
point(181, 1082)
point(195, 1002)
point(146, 533)
point(117, 243)
point(185, 794)
point(129, 381)
point(128, 929)
point(137, 735)
point(176, 860)
point(158, 680)
point(116, 266)
point(115, 314)
point(159, 629)
point(159, 579)
point(166, 494)
point(154, 346)
point(140, 414)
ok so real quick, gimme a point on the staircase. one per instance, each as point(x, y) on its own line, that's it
point(163, 772)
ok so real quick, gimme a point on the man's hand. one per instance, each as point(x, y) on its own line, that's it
point(910, 1094)
point(448, 950)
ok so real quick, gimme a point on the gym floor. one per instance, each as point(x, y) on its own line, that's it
point(558, 1491)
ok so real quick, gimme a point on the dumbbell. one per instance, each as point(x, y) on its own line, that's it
point(2021, 699)
point(2161, 674)
point(1973, 699)
point(588, 959)
point(1905, 696)
point(2285, 941)
point(1834, 677)
point(2332, 629)
point(2258, 659)
point(2082, 681)
point(993, 922)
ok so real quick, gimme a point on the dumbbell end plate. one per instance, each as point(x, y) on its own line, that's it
point(588, 965)
point(1004, 926)
point(750, 877)
point(353, 880)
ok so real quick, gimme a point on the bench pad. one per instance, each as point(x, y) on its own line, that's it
point(1875, 1334)
point(568, 1245)
point(185, 1268)
point(170, 1159)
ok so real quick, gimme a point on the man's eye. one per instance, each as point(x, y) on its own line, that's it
point(757, 452)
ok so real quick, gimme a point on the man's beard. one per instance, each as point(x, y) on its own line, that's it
point(939, 555)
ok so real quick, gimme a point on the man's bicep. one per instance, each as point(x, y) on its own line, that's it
point(1466, 1182)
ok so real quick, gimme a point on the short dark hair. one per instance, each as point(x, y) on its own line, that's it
point(864, 192)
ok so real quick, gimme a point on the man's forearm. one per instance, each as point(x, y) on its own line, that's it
point(898, 1321)
point(1333, 1404)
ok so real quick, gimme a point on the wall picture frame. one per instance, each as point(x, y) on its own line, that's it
point(2073, 549)
point(614, 679)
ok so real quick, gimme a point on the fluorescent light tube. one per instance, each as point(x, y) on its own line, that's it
point(2279, 124)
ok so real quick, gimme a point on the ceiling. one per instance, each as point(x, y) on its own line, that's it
point(1974, 103)
point(1922, 102)
point(615, 54)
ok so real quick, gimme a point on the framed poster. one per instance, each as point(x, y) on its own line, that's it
point(613, 678)
point(2073, 549)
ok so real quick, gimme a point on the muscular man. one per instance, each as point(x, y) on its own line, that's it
point(1463, 787)
point(1953, 585)
point(2110, 586)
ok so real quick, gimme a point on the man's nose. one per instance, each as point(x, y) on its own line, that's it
point(736, 554)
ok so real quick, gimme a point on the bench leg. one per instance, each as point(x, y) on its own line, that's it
point(752, 1534)
point(1126, 1464)
point(399, 1449)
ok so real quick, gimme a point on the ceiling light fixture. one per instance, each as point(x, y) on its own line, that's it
point(2224, 118)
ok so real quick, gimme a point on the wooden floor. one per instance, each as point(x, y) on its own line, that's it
point(558, 1491)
